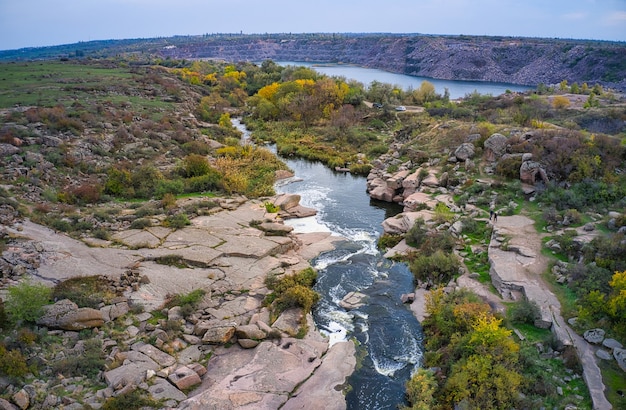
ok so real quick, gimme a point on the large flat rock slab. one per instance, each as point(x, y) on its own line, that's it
point(63, 257)
point(136, 238)
point(516, 264)
point(326, 388)
point(195, 255)
point(265, 378)
point(189, 237)
point(252, 246)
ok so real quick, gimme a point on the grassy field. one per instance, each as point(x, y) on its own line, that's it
point(56, 82)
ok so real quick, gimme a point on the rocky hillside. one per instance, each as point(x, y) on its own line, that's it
point(514, 60)
point(502, 59)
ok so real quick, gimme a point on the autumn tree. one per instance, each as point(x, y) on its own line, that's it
point(477, 357)
point(617, 301)
point(425, 93)
point(420, 390)
point(560, 101)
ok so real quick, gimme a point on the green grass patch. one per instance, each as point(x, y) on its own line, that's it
point(615, 383)
point(172, 260)
point(533, 334)
point(565, 295)
point(478, 263)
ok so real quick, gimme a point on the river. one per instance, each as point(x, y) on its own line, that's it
point(390, 339)
point(457, 89)
point(388, 334)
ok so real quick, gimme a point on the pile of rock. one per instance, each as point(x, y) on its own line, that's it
point(608, 349)
point(407, 185)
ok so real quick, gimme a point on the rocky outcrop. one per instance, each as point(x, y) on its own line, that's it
point(531, 172)
point(520, 61)
point(66, 315)
point(495, 147)
point(353, 300)
point(464, 151)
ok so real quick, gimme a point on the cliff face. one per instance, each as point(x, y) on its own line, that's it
point(513, 60)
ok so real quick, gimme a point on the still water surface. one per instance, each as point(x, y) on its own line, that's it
point(366, 76)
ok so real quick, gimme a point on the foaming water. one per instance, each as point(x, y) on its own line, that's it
point(389, 337)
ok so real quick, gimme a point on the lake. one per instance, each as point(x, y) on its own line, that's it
point(457, 88)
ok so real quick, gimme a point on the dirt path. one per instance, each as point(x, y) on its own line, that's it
point(523, 266)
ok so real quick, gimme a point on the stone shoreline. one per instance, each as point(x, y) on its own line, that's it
point(254, 362)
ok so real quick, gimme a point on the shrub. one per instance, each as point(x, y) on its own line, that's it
point(293, 290)
point(560, 101)
point(168, 201)
point(145, 181)
point(439, 267)
point(271, 208)
point(443, 241)
point(525, 311)
point(188, 303)
point(171, 260)
point(169, 186)
point(360, 169)
point(146, 210)
point(417, 234)
point(195, 165)
point(101, 233)
point(26, 300)
point(134, 400)
point(60, 224)
point(87, 193)
point(509, 167)
point(85, 291)
point(119, 183)
point(443, 213)
point(4, 319)
point(177, 221)
point(26, 336)
point(140, 223)
point(573, 216)
point(12, 362)
point(387, 241)
point(202, 183)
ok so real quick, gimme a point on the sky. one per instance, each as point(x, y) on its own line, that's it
point(35, 23)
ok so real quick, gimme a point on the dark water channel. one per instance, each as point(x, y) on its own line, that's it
point(389, 337)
